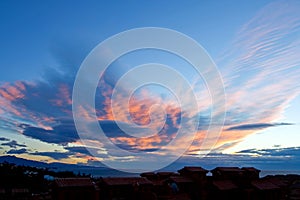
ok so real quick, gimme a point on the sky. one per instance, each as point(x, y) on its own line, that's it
point(255, 45)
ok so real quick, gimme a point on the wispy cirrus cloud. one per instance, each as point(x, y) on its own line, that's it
point(261, 69)
point(257, 126)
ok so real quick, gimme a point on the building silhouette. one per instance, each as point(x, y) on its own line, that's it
point(188, 183)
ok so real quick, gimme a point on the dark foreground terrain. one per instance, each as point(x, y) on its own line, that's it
point(24, 182)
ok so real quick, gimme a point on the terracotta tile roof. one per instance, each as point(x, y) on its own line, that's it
point(73, 182)
point(193, 169)
point(126, 181)
point(147, 174)
point(264, 185)
point(181, 179)
point(277, 181)
point(158, 182)
point(225, 185)
point(165, 173)
point(250, 169)
point(227, 169)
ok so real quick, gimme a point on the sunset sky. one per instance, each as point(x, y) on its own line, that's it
point(255, 45)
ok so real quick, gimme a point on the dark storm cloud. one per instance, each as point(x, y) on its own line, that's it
point(17, 151)
point(13, 144)
point(62, 133)
point(71, 151)
point(81, 150)
point(89, 151)
point(54, 155)
point(3, 139)
point(256, 126)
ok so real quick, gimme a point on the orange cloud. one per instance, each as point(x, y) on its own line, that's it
point(63, 97)
point(12, 92)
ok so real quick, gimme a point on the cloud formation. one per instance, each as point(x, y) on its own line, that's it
point(261, 70)
point(17, 151)
point(62, 133)
point(261, 75)
point(3, 139)
point(256, 126)
point(13, 144)
point(54, 155)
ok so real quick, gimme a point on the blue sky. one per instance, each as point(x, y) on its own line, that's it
point(255, 45)
point(40, 30)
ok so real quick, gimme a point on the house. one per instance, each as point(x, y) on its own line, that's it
point(281, 181)
point(75, 189)
point(149, 175)
point(184, 184)
point(294, 192)
point(160, 181)
point(251, 173)
point(225, 190)
point(227, 173)
point(126, 188)
point(200, 181)
point(266, 190)
point(234, 182)
point(198, 174)
point(164, 175)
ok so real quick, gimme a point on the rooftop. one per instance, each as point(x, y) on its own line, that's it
point(126, 181)
point(264, 185)
point(227, 169)
point(73, 182)
point(181, 179)
point(250, 169)
point(165, 173)
point(193, 169)
point(225, 185)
